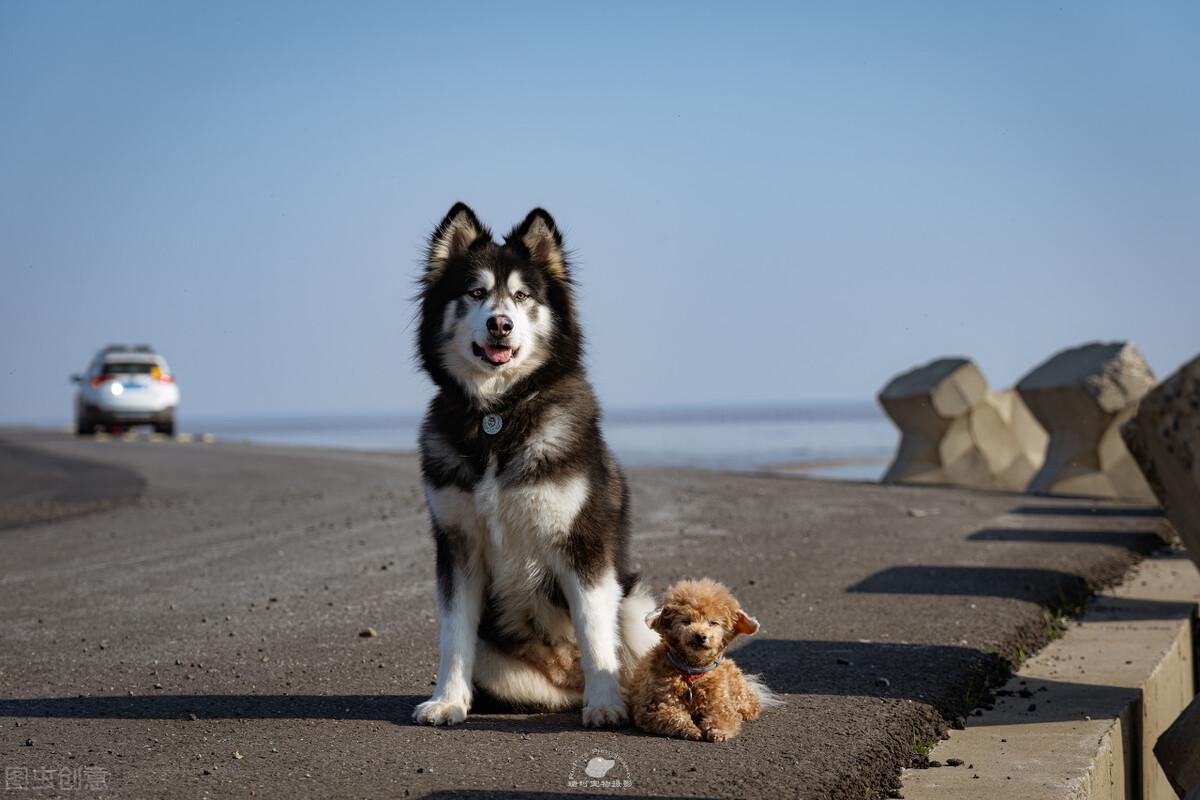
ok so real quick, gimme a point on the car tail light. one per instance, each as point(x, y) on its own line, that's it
point(161, 376)
point(99, 379)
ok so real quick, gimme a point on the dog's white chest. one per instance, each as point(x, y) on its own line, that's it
point(528, 513)
point(516, 532)
point(512, 516)
point(487, 504)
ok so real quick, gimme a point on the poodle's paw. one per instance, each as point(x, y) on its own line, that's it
point(606, 715)
point(440, 712)
point(721, 732)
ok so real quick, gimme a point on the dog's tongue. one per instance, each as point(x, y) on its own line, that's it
point(497, 355)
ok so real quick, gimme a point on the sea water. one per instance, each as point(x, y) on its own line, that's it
point(835, 440)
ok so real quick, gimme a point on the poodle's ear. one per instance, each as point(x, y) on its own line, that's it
point(654, 620)
point(744, 623)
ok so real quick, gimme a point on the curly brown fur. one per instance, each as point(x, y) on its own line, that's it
point(697, 621)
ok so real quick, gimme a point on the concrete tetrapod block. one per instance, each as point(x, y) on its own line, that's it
point(1164, 438)
point(1178, 751)
point(1081, 397)
point(1026, 432)
point(955, 431)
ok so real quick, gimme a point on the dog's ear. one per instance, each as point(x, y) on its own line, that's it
point(458, 230)
point(744, 623)
point(540, 236)
point(654, 619)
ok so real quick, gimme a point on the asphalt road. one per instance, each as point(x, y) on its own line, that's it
point(183, 620)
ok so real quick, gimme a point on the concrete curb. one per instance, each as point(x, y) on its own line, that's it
point(1080, 718)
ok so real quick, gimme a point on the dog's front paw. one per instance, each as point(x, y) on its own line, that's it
point(603, 705)
point(604, 716)
point(720, 731)
point(440, 712)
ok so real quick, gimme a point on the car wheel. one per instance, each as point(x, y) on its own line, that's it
point(166, 427)
point(84, 426)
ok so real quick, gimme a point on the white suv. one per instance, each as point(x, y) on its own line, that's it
point(126, 386)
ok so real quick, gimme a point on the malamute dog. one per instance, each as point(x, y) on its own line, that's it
point(530, 510)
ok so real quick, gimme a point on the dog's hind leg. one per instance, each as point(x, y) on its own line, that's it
point(744, 697)
point(519, 682)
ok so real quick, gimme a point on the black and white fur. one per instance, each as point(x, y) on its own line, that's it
point(531, 524)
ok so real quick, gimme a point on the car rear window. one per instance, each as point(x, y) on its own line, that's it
point(128, 367)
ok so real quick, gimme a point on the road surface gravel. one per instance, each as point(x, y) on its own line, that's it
point(183, 620)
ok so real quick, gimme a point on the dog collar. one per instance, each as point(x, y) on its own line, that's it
point(689, 673)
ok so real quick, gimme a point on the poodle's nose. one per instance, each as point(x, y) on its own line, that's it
point(699, 639)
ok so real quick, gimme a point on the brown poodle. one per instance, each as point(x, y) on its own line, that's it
point(684, 686)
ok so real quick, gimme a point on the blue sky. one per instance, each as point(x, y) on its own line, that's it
point(777, 203)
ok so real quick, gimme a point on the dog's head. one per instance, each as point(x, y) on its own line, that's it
point(698, 620)
point(493, 315)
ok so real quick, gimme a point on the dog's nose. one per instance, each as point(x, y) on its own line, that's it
point(699, 639)
point(499, 325)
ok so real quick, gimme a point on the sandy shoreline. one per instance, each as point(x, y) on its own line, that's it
point(816, 464)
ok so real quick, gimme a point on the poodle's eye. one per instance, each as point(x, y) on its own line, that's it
point(713, 622)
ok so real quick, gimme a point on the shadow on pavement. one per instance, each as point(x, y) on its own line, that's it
point(397, 709)
point(1089, 511)
point(217, 706)
point(1139, 541)
point(791, 667)
point(1035, 700)
point(1034, 585)
point(1049, 588)
point(867, 669)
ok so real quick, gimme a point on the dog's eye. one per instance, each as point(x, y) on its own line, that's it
point(478, 294)
point(521, 297)
point(713, 622)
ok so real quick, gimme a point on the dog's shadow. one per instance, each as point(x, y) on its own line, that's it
point(486, 713)
point(216, 707)
point(790, 667)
